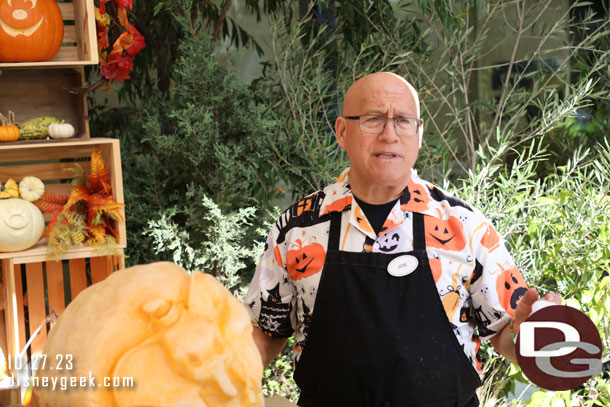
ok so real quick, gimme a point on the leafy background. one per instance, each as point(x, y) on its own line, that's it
point(209, 160)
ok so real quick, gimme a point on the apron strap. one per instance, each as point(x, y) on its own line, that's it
point(419, 231)
point(334, 234)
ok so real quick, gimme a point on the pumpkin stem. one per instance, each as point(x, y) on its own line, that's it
point(3, 120)
point(11, 118)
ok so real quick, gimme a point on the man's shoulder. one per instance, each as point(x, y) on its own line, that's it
point(303, 213)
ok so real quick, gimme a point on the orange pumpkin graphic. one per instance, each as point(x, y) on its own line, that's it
point(490, 239)
point(303, 261)
point(445, 234)
point(510, 287)
point(30, 30)
point(418, 200)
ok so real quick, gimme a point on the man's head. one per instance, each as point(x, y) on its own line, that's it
point(384, 159)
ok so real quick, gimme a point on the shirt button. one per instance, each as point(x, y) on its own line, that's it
point(376, 245)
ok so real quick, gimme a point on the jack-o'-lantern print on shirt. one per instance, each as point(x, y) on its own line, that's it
point(510, 287)
point(304, 259)
point(447, 234)
point(415, 198)
point(391, 242)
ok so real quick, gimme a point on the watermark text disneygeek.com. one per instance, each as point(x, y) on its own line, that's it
point(71, 382)
point(63, 365)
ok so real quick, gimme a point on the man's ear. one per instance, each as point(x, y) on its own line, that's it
point(421, 133)
point(341, 131)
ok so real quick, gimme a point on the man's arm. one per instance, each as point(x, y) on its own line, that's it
point(502, 342)
point(267, 346)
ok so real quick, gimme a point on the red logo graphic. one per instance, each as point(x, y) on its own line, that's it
point(559, 348)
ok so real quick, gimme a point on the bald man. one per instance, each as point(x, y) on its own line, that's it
point(387, 282)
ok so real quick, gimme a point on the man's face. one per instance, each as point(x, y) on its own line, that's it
point(383, 159)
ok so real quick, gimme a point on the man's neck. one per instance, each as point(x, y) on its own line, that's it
point(376, 194)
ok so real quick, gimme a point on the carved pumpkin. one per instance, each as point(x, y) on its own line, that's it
point(30, 30)
point(445, 234)
point(510, 287)
point(304, 260)
point(21, 225)
point(185, 340)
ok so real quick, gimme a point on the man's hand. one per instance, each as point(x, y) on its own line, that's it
point(503, 342)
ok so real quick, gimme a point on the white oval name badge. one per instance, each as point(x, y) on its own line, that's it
point(403, 265)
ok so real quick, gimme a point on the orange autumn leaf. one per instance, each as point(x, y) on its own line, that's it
point(99, 173)
point(51, 203)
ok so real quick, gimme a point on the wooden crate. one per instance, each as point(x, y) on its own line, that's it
point(79, 46)
point(32, 282)
point(34, 289)
point(48, 162)
point(31, 93)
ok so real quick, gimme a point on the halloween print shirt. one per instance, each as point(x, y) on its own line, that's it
point(477, 281)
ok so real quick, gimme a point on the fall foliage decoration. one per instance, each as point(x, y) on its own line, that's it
point(30, 31)
point(9, 130)
point(116, 62)
point(87, 215)
point(184, 339)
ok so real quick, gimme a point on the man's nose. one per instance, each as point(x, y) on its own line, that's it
point(388, 134)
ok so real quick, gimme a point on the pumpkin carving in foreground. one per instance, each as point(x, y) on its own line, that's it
point(30, 30)
point(185, 340)
point(21, 225)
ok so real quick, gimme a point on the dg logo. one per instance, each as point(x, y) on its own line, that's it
point(559, 348)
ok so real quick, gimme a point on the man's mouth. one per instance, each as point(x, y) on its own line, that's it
point(385, 155)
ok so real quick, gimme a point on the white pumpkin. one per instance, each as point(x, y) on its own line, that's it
point(31, 188)
point(60, 130)
point(21, 225)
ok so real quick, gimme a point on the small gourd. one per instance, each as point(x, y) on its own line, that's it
point(61, 130)
point(9, 189)
point(31, 188)
point(21, 225)
point(8, 131)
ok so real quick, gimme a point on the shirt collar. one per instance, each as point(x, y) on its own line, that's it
point(415, 197)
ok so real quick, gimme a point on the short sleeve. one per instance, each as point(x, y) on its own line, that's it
point(271, 297)
point(497, 285)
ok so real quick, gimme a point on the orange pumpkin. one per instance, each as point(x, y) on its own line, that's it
point(304, 260)
point(185, 340)
point(8, 130)
point(30, 30)
point(445, 234)
point(510, 287)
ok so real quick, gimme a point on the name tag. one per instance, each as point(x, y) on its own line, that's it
point(403, 265)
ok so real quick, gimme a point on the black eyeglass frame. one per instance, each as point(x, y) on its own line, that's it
point(418, 121)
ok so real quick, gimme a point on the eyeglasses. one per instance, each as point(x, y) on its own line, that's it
point(373, 124)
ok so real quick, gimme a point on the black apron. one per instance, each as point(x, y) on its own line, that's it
point(377, 340)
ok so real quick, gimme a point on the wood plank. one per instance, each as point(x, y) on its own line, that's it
point(20, 309)
point(12, 321)
point(36, 305)
point(70, 34)
point(67, 11)
point(101, 267)
point(84, 20)
point(78, 276)
point(55, 286)
point(46, 172)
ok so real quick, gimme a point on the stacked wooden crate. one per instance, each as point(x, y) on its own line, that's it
point(35, 285)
